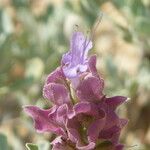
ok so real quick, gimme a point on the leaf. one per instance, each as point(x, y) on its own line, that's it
point(44, 145)
point(31, 146)
point(3, 142)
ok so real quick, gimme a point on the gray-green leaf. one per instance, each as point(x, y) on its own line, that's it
point(3, 142)
point(31, 146)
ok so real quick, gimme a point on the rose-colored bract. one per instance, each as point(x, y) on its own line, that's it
point(82, 116)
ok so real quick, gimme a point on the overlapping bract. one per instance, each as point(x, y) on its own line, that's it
point(81, 116)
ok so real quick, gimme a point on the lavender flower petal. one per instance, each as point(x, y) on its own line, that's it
point(75, 61)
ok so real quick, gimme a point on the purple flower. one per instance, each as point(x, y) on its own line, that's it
point(75, 61)
point(81, 115)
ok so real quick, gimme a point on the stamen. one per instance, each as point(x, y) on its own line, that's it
point(96, 25)
point(93, 31)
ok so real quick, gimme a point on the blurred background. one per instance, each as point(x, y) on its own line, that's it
point(33, 36)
